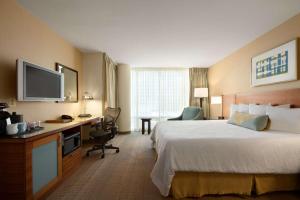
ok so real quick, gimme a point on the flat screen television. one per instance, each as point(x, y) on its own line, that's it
point(35, 83)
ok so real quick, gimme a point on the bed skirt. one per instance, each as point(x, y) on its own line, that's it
point(193, 184)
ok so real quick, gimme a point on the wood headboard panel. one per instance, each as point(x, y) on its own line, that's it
point(227, 100)
point(289, 96)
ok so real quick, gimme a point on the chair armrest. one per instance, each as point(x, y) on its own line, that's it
point(100, 125)
point(199, 116)
point(176, 118)
point(96, 126)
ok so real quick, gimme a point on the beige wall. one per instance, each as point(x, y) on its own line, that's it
point(124, 78)
point(232, 74)
point(93, 83)
point(24, 36)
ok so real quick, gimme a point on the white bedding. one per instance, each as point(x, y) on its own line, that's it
point(215, 146)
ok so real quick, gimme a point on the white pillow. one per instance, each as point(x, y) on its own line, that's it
point(244, 108)
point(282, 119)
point(233, 108)
point(284, 106)
point(262, 109)
point(257, 109)
point(280, 106)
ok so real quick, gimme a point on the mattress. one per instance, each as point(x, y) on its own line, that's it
point(215, 146)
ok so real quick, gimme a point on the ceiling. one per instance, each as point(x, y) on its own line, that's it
point(162, 33)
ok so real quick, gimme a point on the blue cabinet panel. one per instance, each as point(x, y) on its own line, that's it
point(44, 165)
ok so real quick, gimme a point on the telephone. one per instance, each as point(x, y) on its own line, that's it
point(67, 117)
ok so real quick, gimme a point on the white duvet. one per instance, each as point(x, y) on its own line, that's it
point(215, 146)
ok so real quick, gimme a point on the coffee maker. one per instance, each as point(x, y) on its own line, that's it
point(4, 115)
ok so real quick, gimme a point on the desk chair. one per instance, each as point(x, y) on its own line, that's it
point(105, 131)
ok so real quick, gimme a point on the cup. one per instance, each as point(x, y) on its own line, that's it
point(32, 125)
point(22, 127)
point(12, 129)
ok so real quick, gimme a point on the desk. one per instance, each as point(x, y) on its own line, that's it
point(25, 158)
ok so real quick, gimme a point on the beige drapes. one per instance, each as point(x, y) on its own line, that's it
point(199, 79)
point(111, 97)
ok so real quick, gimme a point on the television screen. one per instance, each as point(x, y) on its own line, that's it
point(41, 83)
point(36, 83)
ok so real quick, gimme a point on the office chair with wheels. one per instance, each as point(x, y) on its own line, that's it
point(105, 131)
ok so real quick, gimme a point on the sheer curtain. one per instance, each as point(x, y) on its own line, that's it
point(158, 93)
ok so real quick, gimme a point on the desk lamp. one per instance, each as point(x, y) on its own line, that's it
point(86, 97)
point(217, 100)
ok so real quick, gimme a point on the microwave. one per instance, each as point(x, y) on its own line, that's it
point(71, 142)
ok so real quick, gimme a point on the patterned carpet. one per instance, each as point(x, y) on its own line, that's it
point(126, 176)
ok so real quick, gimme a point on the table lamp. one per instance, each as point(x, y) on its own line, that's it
point(200, 93)
point(86, 97)
point(217, 100)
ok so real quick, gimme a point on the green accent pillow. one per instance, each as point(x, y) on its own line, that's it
point(253, 122)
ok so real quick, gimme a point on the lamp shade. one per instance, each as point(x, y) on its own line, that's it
point(201, 92)
point(216, 100)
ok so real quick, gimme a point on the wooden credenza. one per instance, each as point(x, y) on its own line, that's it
point(32, 165)
point(71, 161)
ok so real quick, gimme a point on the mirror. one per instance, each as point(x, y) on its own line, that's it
point(71, 82)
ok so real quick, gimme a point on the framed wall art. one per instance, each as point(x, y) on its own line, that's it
point(276, 65)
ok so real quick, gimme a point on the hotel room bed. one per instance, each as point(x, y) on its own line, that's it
point(195, 158)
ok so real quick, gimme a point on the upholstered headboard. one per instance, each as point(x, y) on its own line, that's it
point(289, 96)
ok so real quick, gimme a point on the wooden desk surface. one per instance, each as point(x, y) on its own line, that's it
point(50, 128)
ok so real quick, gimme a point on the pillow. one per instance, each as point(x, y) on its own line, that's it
point(253, 122)
point(233, 108)
point(284, 106)
point(280, 106)
point(257, 109)
point(282, 119)
point(244, 108)
point(262, 109)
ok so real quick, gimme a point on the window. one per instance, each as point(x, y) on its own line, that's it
point(158, 93)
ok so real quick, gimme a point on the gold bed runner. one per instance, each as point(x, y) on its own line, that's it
point(193, 184)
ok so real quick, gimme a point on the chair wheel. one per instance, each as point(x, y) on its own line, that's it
point(117, 151)
point(102, 156)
